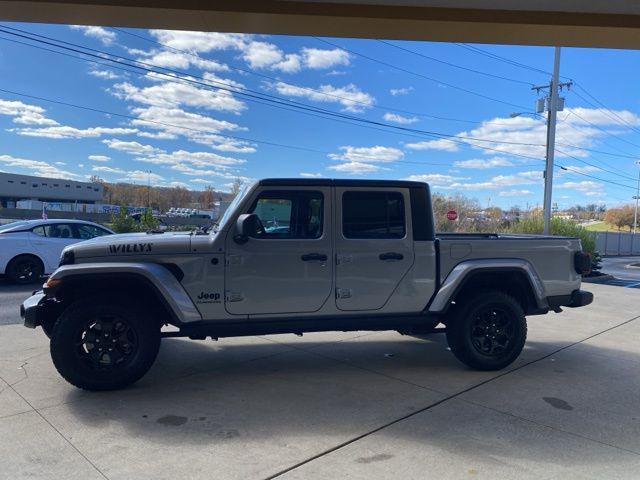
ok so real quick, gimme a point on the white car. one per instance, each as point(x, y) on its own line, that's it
point(32, 248)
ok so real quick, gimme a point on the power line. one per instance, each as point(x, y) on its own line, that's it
point(455, 87)
point(316, 109)
point(494, 56)
point(252, 95)
point(610, 113)
point(467, 69)
point(381, 107)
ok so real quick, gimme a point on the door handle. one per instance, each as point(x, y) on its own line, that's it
point(391, 256)
point(314, 257)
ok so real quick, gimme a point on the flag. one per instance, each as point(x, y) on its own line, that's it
point(44, 211)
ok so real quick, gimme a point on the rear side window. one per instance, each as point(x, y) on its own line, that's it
point(86, 232)
point(290, 213)
point(373, 215)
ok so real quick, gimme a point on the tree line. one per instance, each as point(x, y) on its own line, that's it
point(161, 198)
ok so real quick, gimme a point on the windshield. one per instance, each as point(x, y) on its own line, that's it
point(13, 225)
point(232, 206)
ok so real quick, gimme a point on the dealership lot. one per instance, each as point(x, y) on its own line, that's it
point(370, 405)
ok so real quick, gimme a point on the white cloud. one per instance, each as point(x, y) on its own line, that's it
point(350, 96)
point(104, 74)
point(24, 113)
point(395, 118)
point(448, 182)
point(99, 158)
point(515, 193)
point(585, 187)
point(262, 54)
point(367, 154)
point(441, 144)
point(142, 176)
point(201, 42)
point(172, 94)
point(400, 91)
point(437, 180)
point(65, 131)
point(362, 160)
point(317, 59)
point(36, 167)
point(105, 169)
point(198, 159)
point(356, 168)
point(179, 60)
point(483, 163)
point(527, 136)
point(106, 37)
point(169, 123)
point(133, 148)
point(310, 175)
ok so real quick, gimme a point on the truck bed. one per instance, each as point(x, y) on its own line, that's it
point(552, 257)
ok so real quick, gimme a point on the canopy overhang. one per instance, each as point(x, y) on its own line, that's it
point(593, 23)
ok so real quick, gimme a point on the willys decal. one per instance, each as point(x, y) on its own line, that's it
point(130, 248)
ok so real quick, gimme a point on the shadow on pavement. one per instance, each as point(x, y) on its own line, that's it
point(350, 387)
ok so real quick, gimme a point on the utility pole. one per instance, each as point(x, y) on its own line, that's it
point(637, 197)
point(148, 188)
point(553, 106)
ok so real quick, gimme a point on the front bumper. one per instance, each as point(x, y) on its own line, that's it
point(33, 309)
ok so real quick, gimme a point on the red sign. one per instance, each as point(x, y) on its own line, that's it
point(452, 215)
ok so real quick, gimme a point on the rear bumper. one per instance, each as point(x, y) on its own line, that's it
point(32, 309)
point(577, 298)
point(580, 298)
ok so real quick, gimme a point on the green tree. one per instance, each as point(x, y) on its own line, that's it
point(123, 223)
point(147, 221)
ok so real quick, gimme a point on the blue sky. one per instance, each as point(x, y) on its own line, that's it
point(191, 133)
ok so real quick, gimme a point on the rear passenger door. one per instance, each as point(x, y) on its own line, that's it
point(374, 245)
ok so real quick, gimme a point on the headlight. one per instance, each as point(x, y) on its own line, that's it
point(67, 258)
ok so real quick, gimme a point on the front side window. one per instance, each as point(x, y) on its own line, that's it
point(373, 215)
point(289, 214)
point(39, 231)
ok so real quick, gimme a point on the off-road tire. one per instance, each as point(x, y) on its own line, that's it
point(25, 269)
point(475, 339)
point(77, 362)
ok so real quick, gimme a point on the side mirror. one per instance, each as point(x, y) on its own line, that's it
point(247, 226)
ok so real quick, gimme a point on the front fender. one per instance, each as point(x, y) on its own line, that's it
point(464, 270)
point(160, 278)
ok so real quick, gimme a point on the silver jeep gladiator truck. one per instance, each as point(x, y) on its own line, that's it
point(295, 256)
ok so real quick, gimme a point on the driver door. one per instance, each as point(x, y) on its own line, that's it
point(287, 267)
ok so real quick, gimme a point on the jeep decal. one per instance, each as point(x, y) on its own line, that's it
point(130, 248)
point(206, 297)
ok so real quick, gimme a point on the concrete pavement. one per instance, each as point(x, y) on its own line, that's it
point(339, 405)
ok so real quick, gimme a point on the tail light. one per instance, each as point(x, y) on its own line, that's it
point(582, 263)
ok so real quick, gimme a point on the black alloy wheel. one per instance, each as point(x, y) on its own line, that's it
point(486, 330)
point(492, 331)
point(25, 269)
point(106, 343)
point(103, 343)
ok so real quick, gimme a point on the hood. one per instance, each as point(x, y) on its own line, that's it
point(128, 244)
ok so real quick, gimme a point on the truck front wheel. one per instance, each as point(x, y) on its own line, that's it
point(487, 331)
point(104, 345)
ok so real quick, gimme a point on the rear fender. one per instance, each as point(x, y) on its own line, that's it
point(464, 271)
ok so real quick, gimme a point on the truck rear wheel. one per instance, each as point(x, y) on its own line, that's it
point(104, 345)
point(487, 331)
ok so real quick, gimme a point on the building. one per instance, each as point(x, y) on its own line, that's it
point(26, 187)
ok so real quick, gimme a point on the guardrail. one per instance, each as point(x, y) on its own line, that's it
point(617, 243)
